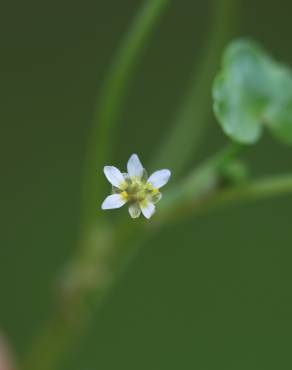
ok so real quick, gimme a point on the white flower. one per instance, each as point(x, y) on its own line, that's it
point(135, 188)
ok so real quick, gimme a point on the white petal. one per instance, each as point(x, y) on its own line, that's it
point(159, 178)
point(134, 166)
point(113, 201)
point(148, 209)
point(114, 176)
point(134, 210)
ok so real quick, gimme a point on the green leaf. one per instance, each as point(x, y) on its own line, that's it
point(252, 92)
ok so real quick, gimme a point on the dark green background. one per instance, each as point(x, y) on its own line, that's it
point(213, 292)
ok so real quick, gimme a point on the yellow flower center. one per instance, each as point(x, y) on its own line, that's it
point(137, 190)
point(124, 195)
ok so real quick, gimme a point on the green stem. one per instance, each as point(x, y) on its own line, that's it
point(259, 189)
point(201, 181)
point(191, 122)
point(84, 284)
point(112, 96)
point(202, 189)
point(256, 190)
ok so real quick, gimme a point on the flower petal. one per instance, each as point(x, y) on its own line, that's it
point(159, 178)
point(134, 210)
point(144, 177)
point(156, 198)
point(113, 201)
point(114, 176)
point(134, 166)
point(147, 209)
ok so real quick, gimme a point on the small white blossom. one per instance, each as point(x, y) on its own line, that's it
point(135, 188)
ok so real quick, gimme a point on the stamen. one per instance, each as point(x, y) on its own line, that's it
point(124, 195)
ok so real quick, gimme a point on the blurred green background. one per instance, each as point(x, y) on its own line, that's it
point(212, 292)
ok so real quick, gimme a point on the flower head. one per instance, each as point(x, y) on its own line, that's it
point(135, 188)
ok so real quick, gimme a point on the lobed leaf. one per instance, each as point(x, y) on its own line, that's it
point(252, 92)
